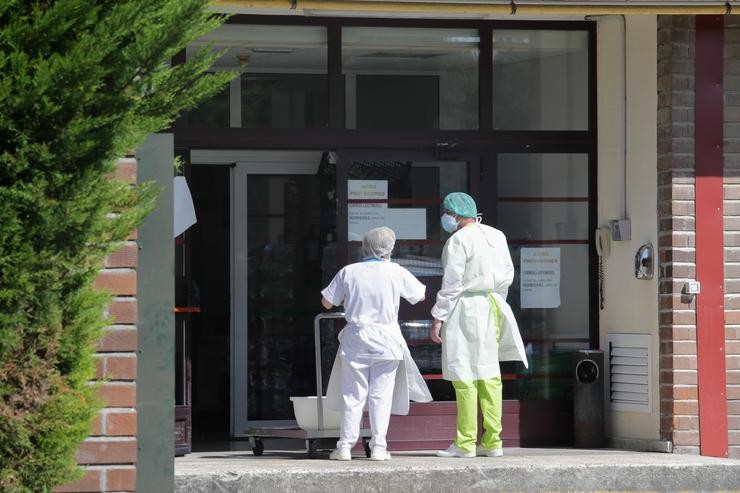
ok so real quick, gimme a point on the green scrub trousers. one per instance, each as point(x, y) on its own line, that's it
point(467, 395)
point(489, 393)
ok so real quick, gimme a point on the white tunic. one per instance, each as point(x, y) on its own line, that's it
point(371, 293)
point(477, 263)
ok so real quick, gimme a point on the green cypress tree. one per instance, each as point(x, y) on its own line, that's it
point(81, 83)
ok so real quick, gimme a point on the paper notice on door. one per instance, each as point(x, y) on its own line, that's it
point(365, 216)
point(368, 190)
point(407, 223)
point(539, 274)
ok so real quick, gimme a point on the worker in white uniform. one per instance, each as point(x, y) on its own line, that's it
point(373, 364)
point(474, 324)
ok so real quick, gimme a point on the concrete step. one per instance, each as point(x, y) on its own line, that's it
point(521, 469)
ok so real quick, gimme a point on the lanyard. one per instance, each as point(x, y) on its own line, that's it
point(372, 259)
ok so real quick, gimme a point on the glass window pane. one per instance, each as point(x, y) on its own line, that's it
point(543, 175)
point(542, 207)
point(284, 82)
point(410, 77)
point(540, 80)
point(544, 220)
point(285, 256)
point(213, 112)
point(405, 196)
point(284, 101)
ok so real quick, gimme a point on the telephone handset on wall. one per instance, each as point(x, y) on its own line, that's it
point(603, 241)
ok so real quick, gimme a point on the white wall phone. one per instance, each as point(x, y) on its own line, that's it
point(603, 241)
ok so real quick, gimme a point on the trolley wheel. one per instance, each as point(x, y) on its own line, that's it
point(313, 446)
point(258, 446)
point(366, 446)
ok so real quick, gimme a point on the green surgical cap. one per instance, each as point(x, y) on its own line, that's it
point(461, 204)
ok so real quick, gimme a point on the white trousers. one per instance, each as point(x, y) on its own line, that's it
point(371, 381)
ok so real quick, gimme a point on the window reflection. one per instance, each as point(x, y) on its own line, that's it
point(213, 112)
point(406, 195)
point(409, 202)
point(540, 80)
point(284, 101)
point(284, 82)
point(410, 77)
point(543, 209)
point(291, 253)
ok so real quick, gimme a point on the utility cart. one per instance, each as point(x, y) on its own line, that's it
point(312, 437)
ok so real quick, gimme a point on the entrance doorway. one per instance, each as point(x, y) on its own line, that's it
point(266, 221)
point(275, 226)
point(273, 229)
point(284, 238)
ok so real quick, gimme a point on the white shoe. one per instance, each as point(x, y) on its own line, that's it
point(454, 451)
point(341, 454)
point(489, 452)
point(379, 453)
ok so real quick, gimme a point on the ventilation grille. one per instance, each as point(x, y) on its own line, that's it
point(629, 372)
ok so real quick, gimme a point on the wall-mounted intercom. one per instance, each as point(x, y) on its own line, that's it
point(644, 264)
point(620, 229)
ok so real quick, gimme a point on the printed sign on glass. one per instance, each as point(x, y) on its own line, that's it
point(407, 223)
point(539, 274)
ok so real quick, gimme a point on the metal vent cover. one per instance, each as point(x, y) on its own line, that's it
point(630, 372)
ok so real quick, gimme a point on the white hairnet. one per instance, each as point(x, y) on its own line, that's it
point(378, 242)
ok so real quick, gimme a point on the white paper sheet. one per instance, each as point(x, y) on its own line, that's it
point(184, 209)
point(539, 274)
point(408, 224)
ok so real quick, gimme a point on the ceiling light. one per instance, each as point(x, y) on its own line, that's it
point(273, 50)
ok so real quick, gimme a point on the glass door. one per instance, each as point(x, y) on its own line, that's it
point(404, 191)
point(542, 205)
point(284, 232)
point(542, 202)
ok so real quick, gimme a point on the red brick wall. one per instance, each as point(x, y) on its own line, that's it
point(109, 453)
point(732, 228)
point(679, 406)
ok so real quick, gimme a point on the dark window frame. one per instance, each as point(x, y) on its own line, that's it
point(336, 134)
point(485, 141)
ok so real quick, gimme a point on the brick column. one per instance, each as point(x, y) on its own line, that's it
point(109, 453)
point(676, 241)
point(732, 228)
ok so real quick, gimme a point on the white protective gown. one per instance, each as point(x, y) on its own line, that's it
point(370, 293)
point(477, 263)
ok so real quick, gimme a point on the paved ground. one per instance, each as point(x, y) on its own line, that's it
point(521, 469)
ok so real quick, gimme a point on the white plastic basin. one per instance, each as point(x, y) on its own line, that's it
point(307, 418)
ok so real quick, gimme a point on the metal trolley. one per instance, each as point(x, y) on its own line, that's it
point(313, 438)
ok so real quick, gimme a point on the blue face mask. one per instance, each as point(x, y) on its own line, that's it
point(449, 223)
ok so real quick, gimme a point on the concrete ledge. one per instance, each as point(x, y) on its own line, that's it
point(640, 445)
point(518, 470)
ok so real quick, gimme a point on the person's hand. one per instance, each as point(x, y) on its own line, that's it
point(434, 331)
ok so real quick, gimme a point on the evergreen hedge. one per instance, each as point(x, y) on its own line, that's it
point(81, 83)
